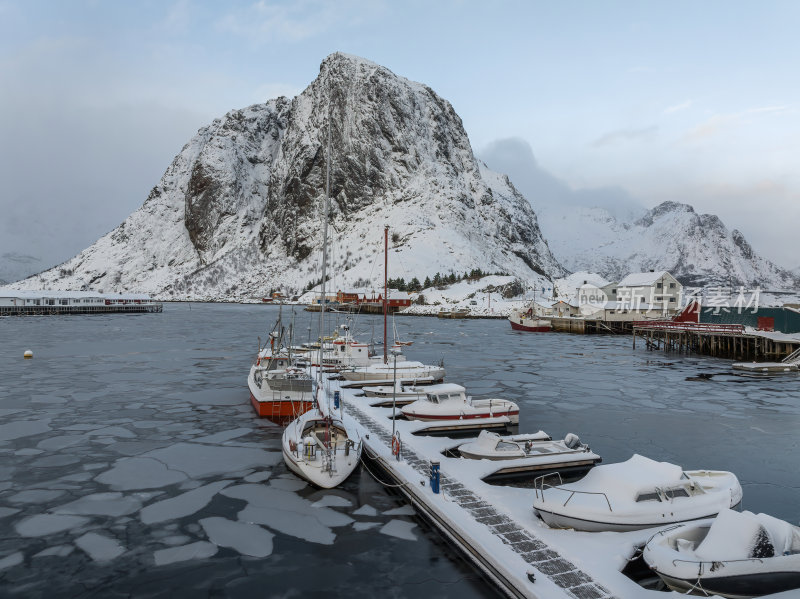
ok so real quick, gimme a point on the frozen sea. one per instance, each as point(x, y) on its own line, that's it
point(131, 463)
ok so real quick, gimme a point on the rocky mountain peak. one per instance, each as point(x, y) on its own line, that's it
point(237, 213)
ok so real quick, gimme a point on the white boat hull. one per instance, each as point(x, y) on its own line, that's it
point(314, 462)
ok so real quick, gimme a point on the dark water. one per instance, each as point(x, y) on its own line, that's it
point(128, 437)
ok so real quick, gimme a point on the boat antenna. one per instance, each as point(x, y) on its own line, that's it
point(385, 288)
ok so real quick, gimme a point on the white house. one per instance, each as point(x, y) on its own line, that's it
point(659, 289)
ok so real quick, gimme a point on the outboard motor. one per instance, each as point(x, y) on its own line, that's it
point(572, 441)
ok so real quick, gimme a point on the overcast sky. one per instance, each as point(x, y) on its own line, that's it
point(688, 101)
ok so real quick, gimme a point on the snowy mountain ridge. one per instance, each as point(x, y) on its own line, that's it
point(237, 213)
point(698, 249)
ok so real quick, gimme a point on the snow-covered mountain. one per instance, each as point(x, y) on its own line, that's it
point(15, 266)
point(237, 213)
point(607, 231)
point(697, 248)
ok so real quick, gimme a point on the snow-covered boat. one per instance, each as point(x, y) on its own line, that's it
point(279, 394)
point(526, 320)
point(402, 391)
point(491, 446)
point(635, 494)
point(320, 449)
point(736, 555)
point(450, 402)
point(405, 370)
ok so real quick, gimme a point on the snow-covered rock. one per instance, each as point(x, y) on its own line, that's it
point(237, 213)
point(698, 249)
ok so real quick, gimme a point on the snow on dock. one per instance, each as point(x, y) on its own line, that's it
point(493, 526)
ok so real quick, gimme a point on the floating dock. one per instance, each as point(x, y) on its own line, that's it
point(493, 526)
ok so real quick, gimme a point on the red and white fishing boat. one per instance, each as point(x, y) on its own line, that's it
point(527, 320)
point(450, 402)
point(279, 391)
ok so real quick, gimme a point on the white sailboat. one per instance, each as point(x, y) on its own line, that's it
point(317, 446)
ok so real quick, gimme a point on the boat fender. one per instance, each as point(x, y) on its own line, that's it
point(572, 441)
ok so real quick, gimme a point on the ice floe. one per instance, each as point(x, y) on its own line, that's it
point(365, 510)
point(359, 526)
point(11, 560)
point(287, 512)
point(23, 428)
point(400, 529)
point(404, 510)
point(332, 501)
point(139, 473)
point(198, 460)
point(198, 550)
point(288, 484)
point(61, 442)
point(7, 511)
point(47, 524)
point(182, 505)
point(100, 547)
point(35, 496)
point(223, 436)
point(257, 477)
point(247, 539)
point(56, 551)
point(101, 504)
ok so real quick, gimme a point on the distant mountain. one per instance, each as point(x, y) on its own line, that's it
point(697, 248)
point(607, 231)
point(14, 266)
point(237, 213)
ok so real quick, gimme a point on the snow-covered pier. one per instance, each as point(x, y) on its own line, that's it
point(493, 526)
point(14, 302)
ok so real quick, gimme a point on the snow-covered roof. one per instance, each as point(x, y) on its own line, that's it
point(642, 279)
point(577, 279)
point(398, 295)
point(56, 294)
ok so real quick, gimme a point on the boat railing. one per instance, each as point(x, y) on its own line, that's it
point(715, 564)
point(539, 487)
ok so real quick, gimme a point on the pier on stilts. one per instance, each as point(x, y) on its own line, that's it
point(718, 340)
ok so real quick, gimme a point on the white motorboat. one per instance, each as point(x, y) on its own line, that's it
point(405, 370)
point(635, 494)
point(450, 402)
point(401, 393)
point(491, 446)
point(320, 449)
point(736, 555)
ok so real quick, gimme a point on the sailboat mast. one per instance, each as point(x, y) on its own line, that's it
point(385, 289)
point(324, 251)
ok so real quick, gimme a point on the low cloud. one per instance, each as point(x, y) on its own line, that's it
point(678, 107)
point(514, 157)
point(625, 135)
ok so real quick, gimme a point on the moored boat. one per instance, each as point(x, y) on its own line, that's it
point(450, 402)
point(491, 446)
point(405, 370)
point(736, 555)
point(635, 494)
point(527, 321)
point(320, 449)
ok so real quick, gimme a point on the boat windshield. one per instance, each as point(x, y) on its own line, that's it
point(506, 446)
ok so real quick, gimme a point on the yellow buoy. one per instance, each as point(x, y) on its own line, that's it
point(28, 354)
